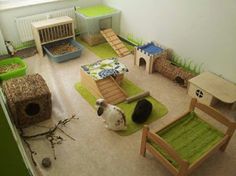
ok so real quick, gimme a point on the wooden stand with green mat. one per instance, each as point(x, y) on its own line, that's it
point(185, 143)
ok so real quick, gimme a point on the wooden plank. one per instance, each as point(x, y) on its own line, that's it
point(45, 35)
point(126, 53)
point(144, 140)
point(124, 49)
point(89, 83)
point(52, 33)
point(120, 45)
point(106, 86)
point(103, 81)
point(57, 40)
point(112, 38)
point(109, 89)
point(166, 147)
point(119, 100)
point(107, 30)
point(115, 96)
point(116, 42)
point(48, 34)
point(215, 114)
point(55, 33)
point(115, 92)
point(110, 34)
point(52, 22)
point(163, 160)
point(192, 104)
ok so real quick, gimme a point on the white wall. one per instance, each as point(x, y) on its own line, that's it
point(203, 30)
point(7, 17)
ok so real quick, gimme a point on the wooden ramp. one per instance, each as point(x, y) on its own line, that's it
point(115, 42)
point(111, 91)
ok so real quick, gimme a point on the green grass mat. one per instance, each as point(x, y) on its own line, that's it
point(191, 137)
point(103, 50)
point(95, 11)
point(159, 110)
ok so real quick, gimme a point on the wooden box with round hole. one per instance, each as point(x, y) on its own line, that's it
point(28, 99)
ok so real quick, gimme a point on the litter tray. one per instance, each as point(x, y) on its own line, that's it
point(56, 56)
point(12, 67)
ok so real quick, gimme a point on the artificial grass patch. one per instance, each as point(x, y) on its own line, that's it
point(159, 110)
point(191, 137)
point(103, 50)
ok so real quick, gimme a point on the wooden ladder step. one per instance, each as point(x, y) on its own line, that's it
point(116, 97)
point(108, 89)
point(103, 81)
point(120, 46)
point(107, 30)
point(123, 50)
point(115, 42)
point(116, 100)
point(112, 93)
point(126, 53)
point(105, 85)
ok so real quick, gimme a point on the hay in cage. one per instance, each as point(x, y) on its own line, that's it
point(28, 99)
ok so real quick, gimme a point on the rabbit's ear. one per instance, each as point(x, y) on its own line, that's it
point(100, 111)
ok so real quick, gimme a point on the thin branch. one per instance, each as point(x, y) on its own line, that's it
point(50, 136)
point(66, 134)
point(32, 153)
point(51, 130)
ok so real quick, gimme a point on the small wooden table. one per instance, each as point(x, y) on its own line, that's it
point(208, 87)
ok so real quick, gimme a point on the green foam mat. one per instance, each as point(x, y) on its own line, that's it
point(191, 137)
point(96, 11)
point(159, 110)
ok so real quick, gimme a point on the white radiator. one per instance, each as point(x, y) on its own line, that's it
point(24, 27)
point(3, 49)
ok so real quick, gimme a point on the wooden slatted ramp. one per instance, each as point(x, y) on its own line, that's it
point(111, 91)
point(115, 42)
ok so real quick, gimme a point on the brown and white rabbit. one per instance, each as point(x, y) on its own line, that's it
point(114, 117)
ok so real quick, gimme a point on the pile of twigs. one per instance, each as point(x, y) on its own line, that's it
point(50, 136)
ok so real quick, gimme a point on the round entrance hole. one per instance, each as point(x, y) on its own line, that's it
point(180, 80)
point(32, 109)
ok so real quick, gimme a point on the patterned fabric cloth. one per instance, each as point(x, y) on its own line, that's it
point(104, 68)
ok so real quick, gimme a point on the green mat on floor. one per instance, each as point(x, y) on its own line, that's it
point(191, 137)
point(159, 110)
point(103, 50)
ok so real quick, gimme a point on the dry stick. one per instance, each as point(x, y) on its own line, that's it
point(32, 153)
point(66, 134)
point(50, 137)
point(51, 130)
point(60, 130)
